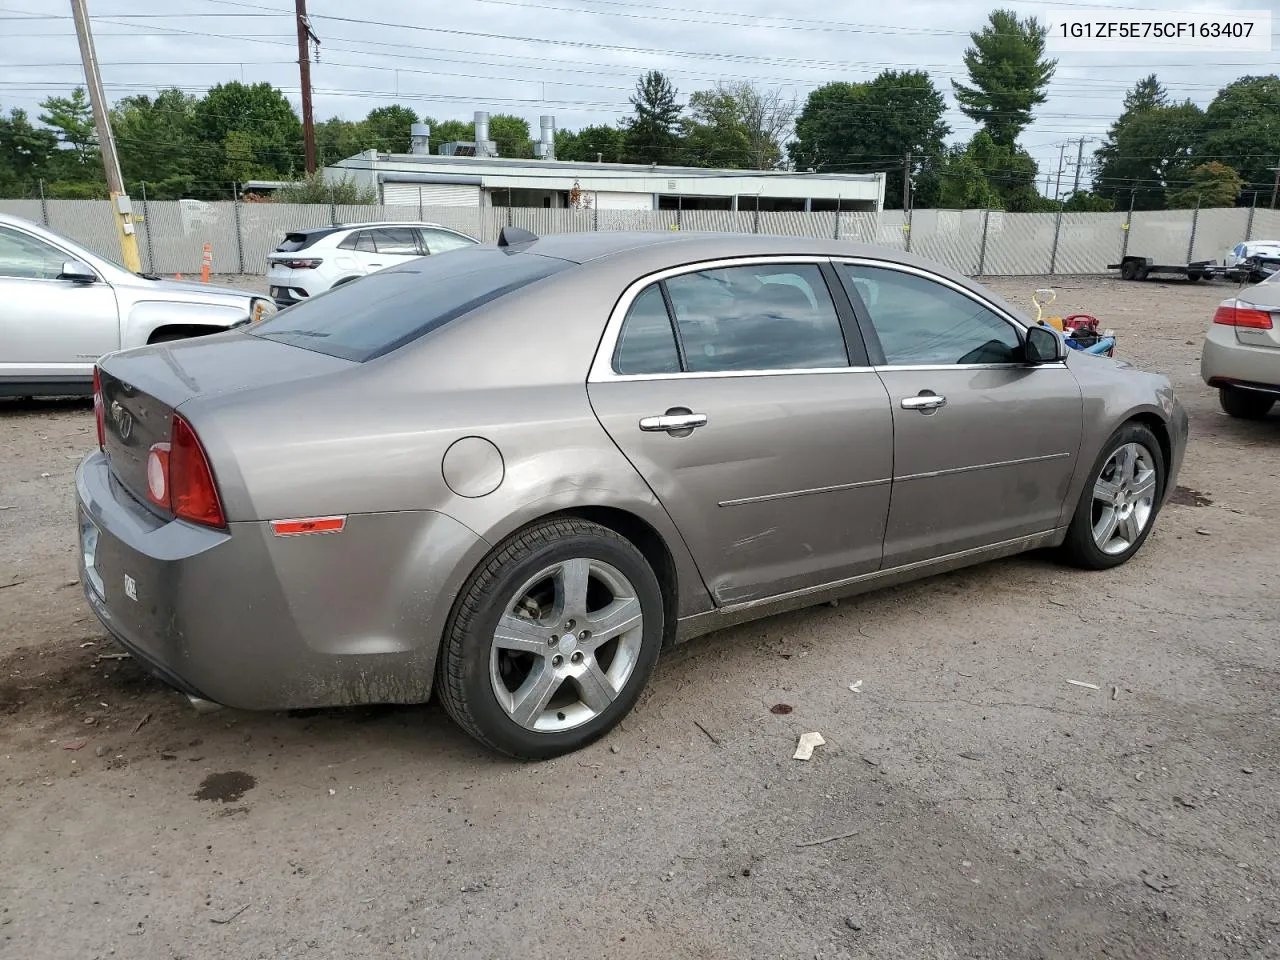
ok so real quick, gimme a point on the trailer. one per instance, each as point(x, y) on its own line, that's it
point(1252, 270)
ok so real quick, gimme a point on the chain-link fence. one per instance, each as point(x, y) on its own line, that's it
point(172, 233)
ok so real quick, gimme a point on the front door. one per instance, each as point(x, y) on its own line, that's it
point(984, 445)
point(730, 390)
point(50, 328)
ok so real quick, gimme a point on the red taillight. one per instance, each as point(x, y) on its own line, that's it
point(1234, 314)
point(302, 263)
point(192, 493)
point(99, 413)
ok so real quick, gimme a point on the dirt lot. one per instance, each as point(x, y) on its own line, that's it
point(972, 802)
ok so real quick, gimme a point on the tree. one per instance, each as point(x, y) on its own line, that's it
point(25, 151)
point(72, 118)
point(1210, 184)
point(1082, 201)
point(386, 129)
point(511, 135)
point(249, 131)
point(984, 173)
point(1148, 145)
point(651, 134)
point(713, 133)
point(337, 139)
point(590, 144)
point(767, 117)
point(1008, 74)
point(156, 143)
point(1242, 129)
point(867, 127)
point(448, 131)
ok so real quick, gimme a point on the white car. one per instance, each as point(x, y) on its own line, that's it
point(1270, 249)
point(309, 262)
point(62, 307)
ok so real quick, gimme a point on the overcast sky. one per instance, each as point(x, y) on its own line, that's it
point(576, 59)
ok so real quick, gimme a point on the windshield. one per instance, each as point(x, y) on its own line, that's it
point(383, 311)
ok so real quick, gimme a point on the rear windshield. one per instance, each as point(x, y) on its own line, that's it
point(293, 241)
point(383, 311)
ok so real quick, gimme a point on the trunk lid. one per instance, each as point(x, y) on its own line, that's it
point(142, 388)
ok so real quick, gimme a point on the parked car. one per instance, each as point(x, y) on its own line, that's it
point(309, 262)
point(1250, 249)
point(1241, 355)
point(513, 474)
point(62, 307)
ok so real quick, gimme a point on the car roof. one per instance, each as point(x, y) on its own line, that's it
point(324, 231)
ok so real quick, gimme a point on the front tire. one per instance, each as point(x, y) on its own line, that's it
point(1118, 505)
point(552, 640)
point(1244, 404)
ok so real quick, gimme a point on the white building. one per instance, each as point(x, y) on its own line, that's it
point(471, 175)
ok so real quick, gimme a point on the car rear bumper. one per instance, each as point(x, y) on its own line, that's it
point(1225, 361)
point(248, 619)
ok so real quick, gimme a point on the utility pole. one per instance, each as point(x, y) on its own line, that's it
point(305, 38)
point(1079, 163)
point(1057, 189)
point(906, 183)
point(121, 208)
point(1275, 187)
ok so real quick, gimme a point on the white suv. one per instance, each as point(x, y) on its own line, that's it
point(309, 262)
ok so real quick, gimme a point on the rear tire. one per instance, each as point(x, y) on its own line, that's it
point(1129, 270)
point(1245, 404)
point(1120, 501)
point(552, 640)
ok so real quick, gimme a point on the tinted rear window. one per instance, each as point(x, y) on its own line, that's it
point(385, 310)
point(293, 241)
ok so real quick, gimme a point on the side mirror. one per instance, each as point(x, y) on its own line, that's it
point(77, 272)
point(1044, 346)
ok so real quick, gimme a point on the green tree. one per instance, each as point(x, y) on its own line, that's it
point(1008, 74)
point(1242, 129)
point(386, 129)
point(714, 134)
point(865, 127)
point(1210, 184)
point(72, 118)
point(984, 173)
point(248, 131)
point(652, 133)
point(156, 143)
point(511, 135)
point(1149, 144)
point(25, 151)
point(961, 183)
point(1082, 201)
point(337, 139)
point(590, 144)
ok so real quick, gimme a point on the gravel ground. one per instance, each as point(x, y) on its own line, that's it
point(969, 802)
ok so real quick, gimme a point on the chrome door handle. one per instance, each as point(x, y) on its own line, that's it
point(671, 422)
point(926, 401)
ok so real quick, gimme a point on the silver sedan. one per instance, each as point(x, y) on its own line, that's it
point(62, 307)
point(512, 475)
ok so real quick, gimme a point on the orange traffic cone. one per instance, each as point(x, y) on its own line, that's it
point(206, 263)
point(177, 276)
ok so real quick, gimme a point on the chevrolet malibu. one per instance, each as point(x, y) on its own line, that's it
point(514, 475)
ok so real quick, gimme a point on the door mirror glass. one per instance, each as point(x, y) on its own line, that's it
point(77, 272)
point(1044, 346)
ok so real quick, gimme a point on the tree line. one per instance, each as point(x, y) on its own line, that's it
point(1158, 153)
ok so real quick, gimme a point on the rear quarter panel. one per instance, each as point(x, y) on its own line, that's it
point(373, 438)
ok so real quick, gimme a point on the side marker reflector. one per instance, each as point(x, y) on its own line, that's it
point(294, 528)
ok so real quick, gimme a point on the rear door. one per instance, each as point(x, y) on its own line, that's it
point(50, 328)
point(393, 245)
point(984, 445)
point(729, 387)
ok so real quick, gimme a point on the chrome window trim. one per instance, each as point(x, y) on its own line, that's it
point(602, 365)
point(1017, 324)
